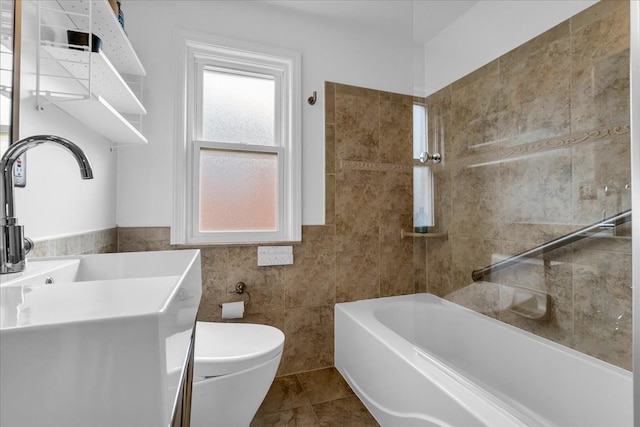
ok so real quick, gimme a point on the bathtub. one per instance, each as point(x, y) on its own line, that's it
point(418, 360)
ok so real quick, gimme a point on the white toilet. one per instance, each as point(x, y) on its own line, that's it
point(235, 364)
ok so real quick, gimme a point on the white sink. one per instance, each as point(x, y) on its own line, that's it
point(103, 345)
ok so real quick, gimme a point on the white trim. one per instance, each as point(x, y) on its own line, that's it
point(635, 198)
point(195, 48)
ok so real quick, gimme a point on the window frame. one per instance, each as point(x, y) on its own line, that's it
point(196, 53)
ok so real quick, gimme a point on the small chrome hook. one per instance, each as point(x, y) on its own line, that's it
point(312, 99)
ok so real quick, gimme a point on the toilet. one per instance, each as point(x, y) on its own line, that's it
point(235, 364)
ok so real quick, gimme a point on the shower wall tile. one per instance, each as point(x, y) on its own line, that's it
point(600, 79)
point(534, 187)
point(476, 202)
point(542, 65)
point(559, 283)
point(330, 148)
point(357, 268)
point(442, 199)
point(420, 273)
point(357, 202)
point(537, 146)
point(596, 12)
point(440, 280)
point(439, 123)
point(329, 102)
point(468, 254)
point(330, 199)
point(357, 118)
point(603, 311)
point(395, 204)
point(475, 108)
point(601, 178)
point(396, 267)
point(396, 128)
point(534, 233)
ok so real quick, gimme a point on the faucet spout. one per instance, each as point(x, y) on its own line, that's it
point(12, 243)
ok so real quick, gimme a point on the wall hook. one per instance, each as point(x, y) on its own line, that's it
point(312, 99)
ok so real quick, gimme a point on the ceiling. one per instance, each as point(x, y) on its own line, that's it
point(430, 17)
point(427, 17)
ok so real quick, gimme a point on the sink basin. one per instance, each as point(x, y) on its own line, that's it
point(104, 344)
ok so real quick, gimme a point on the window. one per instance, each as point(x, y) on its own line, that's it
point(237, 168)
point(423, 216)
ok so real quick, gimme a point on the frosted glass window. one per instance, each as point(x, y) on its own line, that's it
point(238, 190)
point(419, 130)
point(422, 198)
point(422, 174)
point(237, 154)
point(238, 108)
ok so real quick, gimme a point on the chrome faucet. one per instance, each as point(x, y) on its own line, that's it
point(13, 245)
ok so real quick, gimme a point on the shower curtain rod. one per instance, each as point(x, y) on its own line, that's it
point(611, 222)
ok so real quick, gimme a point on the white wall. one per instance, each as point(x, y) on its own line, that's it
point(56, 201)
point(331, 51)
point(488, 30)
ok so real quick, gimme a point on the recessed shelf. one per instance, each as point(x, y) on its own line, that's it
point(98, 115)
point(444, 236)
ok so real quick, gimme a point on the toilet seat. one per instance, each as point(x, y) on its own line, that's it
point(225, 348)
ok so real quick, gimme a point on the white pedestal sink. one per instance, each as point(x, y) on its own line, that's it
point(104, 345)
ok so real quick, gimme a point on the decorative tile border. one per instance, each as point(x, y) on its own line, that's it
point(372, 166)
point(502, 154)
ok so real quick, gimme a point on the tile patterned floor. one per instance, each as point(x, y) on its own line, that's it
point(318, 398)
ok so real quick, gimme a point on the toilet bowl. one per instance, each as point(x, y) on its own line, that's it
point(235, 364)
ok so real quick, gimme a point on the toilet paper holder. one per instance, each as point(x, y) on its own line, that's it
point(241, 288)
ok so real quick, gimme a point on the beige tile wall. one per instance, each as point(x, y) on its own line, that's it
point(536, 144)
point(101, 241)
point(357, 254)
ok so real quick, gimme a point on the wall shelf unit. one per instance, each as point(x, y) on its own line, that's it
point(111, 123)
point(89, 85)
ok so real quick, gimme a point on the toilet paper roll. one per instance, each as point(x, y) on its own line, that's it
point(233, 310)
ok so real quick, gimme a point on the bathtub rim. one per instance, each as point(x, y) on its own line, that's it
point(417, 297)
point(362, 312)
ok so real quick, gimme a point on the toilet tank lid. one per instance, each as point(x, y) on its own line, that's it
point(225, 348)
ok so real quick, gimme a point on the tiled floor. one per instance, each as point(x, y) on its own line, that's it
point(316, 398)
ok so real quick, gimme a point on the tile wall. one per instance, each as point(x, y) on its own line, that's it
point(101, 241)
point(357, 254)
point(536, 144)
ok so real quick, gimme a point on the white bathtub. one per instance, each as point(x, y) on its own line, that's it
point(418, 360)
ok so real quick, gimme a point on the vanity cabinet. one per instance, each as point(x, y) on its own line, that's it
point(106, 343)
point(182, 408)
point(99, 85)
